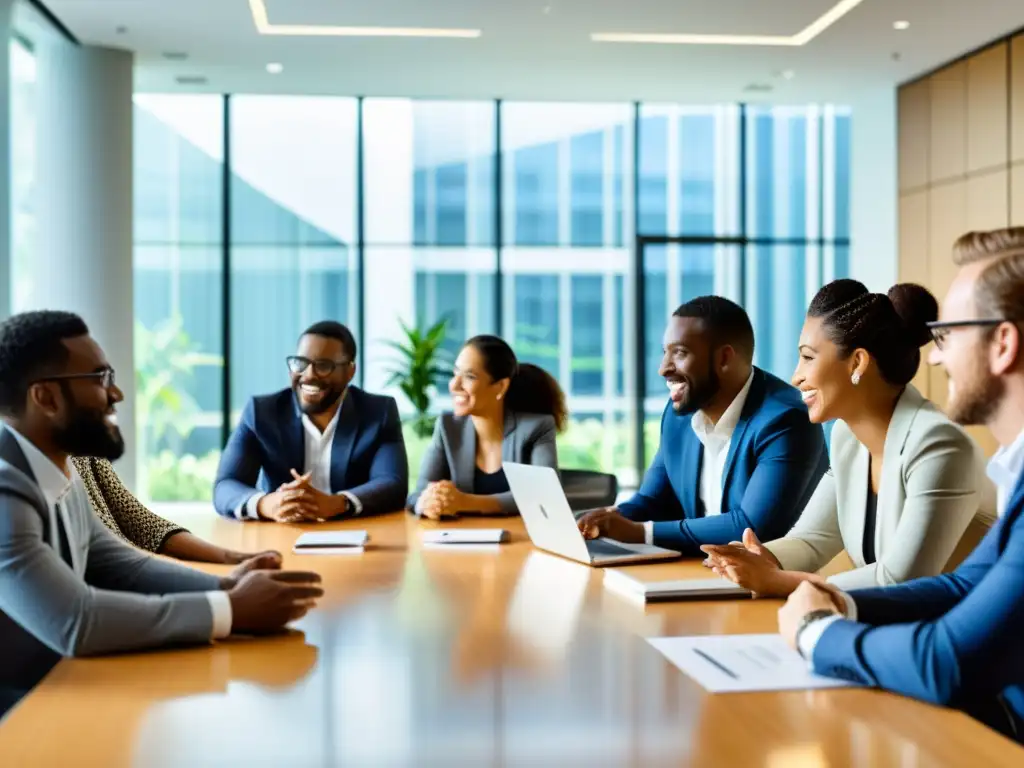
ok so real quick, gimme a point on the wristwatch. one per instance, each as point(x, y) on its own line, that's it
point(807, 620)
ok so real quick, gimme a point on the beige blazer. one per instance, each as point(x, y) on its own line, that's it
point(932, 485)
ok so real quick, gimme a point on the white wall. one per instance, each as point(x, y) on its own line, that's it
point(873, 228)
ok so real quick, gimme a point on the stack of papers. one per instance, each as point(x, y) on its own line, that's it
point(678, 589)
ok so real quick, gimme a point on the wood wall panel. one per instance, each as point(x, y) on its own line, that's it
point(914, 129)
point(988, 200)
point(1017, 197)
point(947, 220)
point(987, 109)
point(962, 130)
point(914, 256)
point(1017, 99)
point(948, 123)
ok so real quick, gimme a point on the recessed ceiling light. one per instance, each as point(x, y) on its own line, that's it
point(804, 36)
point(901, 25)
point(788, 74)
point(275, 68)
point(258, 8)
point(191, 80)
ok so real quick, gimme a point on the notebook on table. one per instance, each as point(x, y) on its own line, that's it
point(463, 536)
point(330, 543)
point(676, 589)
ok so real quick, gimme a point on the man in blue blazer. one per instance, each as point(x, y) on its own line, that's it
point(319, 450)
point(953, 639)
point(737, 447)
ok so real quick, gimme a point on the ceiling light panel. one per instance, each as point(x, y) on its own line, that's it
point(804, 36)
point(264, 26)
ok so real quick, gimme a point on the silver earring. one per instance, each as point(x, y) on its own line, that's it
point(855, 379)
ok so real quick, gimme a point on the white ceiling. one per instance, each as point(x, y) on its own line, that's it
point(541, 49)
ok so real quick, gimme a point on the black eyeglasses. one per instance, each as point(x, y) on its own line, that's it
point(940, 331)
point(322, 367)
point(106, 377)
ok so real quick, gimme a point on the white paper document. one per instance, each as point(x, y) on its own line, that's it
point(742, 663)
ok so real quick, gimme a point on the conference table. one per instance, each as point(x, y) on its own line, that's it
point(504, 656)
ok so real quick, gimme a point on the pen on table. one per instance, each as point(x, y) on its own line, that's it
point(715, 662)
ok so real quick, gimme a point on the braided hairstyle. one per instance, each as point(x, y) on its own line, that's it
point(891, 328)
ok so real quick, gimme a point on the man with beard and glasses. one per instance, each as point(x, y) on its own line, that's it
point(737, 447)
point(319, 450)
point(68, 586)
point(954, 639)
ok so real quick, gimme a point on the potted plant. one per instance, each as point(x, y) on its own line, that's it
point(422, 362)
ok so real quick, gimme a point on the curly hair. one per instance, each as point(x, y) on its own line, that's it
point(31, 348)
point(726, 321)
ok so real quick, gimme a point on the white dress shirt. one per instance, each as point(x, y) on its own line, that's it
point(317, 449)
point(66, 496)
point(716, 439)
point(1004, 469)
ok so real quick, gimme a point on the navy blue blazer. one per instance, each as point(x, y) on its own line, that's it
point(776, 458)
point(367, 456)
point(953, 639)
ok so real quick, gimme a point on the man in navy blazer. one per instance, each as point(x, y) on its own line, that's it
point(953, 639)
point(319, 450)
point(737, 447)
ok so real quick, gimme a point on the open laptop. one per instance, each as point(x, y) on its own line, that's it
point(552, 526)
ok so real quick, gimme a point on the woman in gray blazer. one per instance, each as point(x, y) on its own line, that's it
point(503, 411)
point(904, 482)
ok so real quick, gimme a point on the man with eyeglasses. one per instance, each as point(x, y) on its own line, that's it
point(68, 586)
point(318, 450)
point(953, 639)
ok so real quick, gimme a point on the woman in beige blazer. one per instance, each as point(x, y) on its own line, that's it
point(904, 482)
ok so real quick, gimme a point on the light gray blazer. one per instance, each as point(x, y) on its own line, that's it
point(529, 439)
point(128, 600)
point(932, 484)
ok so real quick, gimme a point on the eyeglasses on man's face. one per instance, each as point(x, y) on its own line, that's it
point(321, 367)
point(105, 377)
point(941, 330)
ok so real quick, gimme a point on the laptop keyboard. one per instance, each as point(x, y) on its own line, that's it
point(599, 547)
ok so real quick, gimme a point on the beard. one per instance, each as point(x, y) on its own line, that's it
point(86, 433)
point(976, 400)
point(330, 397)
point(699, 392)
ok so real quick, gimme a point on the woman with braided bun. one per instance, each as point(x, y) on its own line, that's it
point(904, 481)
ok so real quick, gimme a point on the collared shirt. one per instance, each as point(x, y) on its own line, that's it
point(66, 496)
point(1004, 469)
point(716, 439)
point(317, 449)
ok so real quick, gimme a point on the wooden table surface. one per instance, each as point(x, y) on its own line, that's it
point(424, 657)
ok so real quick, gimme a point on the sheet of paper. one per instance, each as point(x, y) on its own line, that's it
point(740, 663)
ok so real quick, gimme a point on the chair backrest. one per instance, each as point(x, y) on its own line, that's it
point(586, 489)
